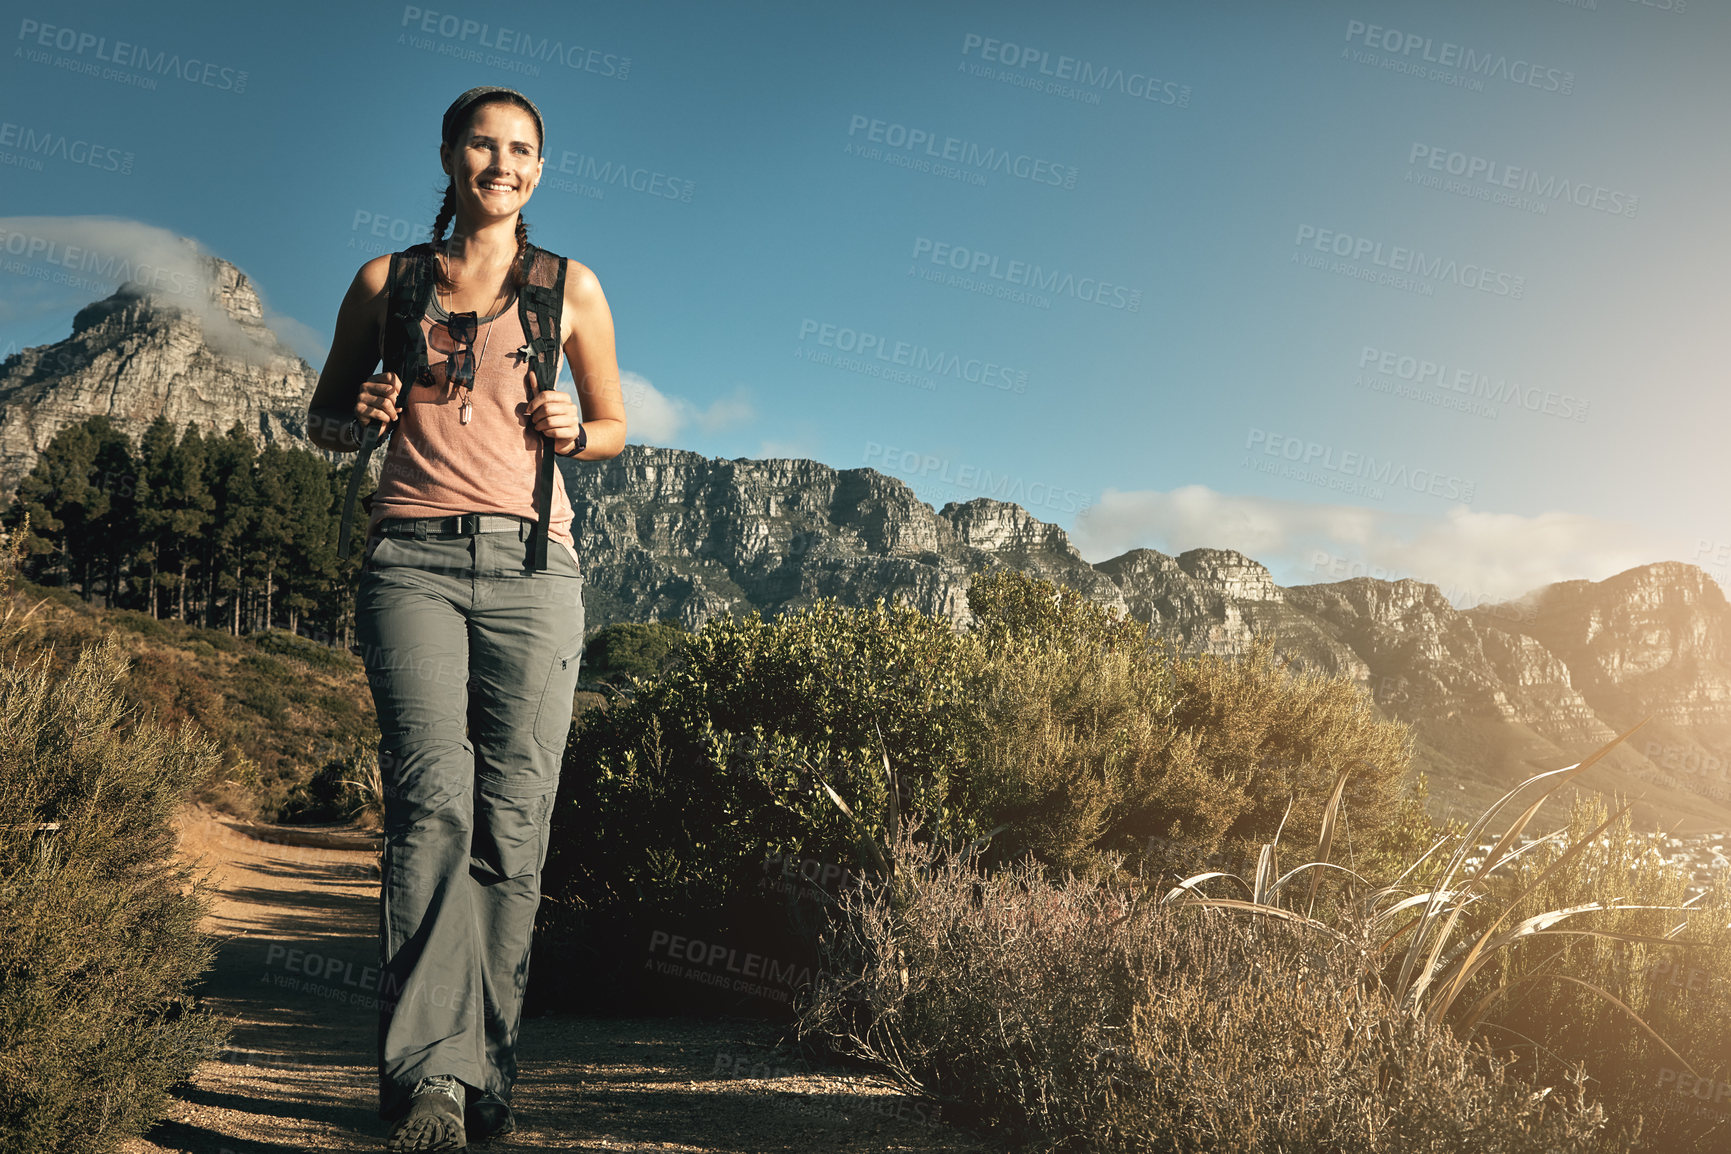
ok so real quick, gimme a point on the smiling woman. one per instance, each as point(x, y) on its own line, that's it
point(470, 626)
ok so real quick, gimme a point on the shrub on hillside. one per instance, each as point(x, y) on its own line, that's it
point(675, 798)
point(305, 649)
point(99, 940)
point(1102, 740)
point(617, 653)
point(1055, 726)
point(672, 803)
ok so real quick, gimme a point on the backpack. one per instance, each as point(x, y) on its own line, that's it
point(408, 291)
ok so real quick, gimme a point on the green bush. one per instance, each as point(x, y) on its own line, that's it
point(219, 639)
point(302, 649)
point(617, 653)
point(344, 788)
point(141, 623)
point(1094, 739)
point(1055, 726)
point(99, 940)
point(677, 796)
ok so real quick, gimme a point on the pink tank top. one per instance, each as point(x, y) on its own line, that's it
point(436, 466)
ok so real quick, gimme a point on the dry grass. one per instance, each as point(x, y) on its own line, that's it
point(1074, 1015)
point(99, 940)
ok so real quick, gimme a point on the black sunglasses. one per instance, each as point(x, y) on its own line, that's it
point(460, 366)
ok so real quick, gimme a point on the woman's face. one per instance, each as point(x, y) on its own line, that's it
point(496, 163)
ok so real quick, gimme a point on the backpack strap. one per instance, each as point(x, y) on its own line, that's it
point(539, 303)
point(408, 291)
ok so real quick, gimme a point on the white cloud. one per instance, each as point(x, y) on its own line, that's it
point(71, 261)
point(782, 450)
point(313, 345)
point(654, 418)
point(1471, 556)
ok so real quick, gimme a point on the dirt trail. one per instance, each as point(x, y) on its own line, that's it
point(298, 930)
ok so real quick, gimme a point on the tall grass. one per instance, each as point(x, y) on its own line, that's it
point(1319, 1010)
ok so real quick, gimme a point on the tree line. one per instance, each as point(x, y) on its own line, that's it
point(209, 530)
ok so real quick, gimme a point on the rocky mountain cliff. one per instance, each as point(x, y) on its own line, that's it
point(137, 355)
point(1493, 694)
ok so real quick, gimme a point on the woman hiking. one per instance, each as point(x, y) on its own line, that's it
point(469, 614)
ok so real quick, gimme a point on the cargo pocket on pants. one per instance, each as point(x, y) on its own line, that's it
point(553, 717)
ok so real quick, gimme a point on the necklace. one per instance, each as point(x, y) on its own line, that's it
point(467, 410)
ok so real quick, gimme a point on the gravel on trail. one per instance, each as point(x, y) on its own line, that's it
point(298, 934)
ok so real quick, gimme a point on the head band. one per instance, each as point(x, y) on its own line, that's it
point(459, 109)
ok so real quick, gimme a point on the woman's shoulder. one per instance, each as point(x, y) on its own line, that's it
point(581, 283)
point(375, 274)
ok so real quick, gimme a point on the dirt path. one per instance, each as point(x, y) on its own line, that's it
point(298, 933)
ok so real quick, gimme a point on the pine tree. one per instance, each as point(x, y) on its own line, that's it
point(155, 465)
point(67, 493)
point(116, 529)
point(191, 509)
point(229, 470)
point(38, 497)
point(310, 576)
point(265, 539)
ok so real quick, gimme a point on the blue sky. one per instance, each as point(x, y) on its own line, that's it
point(1399, 288)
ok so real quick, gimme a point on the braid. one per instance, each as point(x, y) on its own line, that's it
point(520, 273)
point(447, 210)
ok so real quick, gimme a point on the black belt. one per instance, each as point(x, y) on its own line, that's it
point(457, 525)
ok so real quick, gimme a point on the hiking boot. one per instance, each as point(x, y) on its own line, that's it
point(435, 1117)
point(487, 1117)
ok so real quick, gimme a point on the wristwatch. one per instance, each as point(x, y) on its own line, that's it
point(582, 441)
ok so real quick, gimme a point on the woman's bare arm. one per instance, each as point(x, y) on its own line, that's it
point(348, 387)
point(588, 331)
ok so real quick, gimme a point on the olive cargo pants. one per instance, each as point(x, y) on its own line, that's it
point(472, 660)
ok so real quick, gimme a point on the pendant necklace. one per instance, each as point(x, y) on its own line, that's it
point(467, 410)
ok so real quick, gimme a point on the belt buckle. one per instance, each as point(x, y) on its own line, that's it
point(469, 524)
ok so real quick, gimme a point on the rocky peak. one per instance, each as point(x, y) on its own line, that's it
point(1232, 573)
point(669, 533)
point(998, 526)
point(1650, 641)
point(192, 347)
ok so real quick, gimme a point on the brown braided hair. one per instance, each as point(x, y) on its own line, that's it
point(518, 275)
